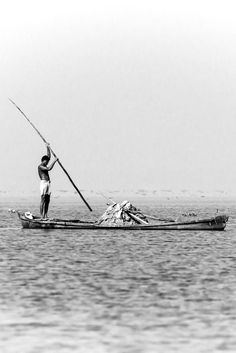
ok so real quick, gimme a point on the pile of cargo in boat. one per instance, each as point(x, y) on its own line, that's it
point(122, 214)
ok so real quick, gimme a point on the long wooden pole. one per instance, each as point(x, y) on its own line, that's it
point(44, 140)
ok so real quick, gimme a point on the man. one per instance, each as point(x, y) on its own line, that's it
point(45, 182)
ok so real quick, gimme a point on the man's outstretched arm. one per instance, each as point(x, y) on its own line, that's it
point(50, 166)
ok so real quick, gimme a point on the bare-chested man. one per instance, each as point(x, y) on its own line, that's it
point(45, 182)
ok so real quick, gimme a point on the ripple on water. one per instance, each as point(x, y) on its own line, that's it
point(92, 291)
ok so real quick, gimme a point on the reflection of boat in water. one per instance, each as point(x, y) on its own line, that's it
point(214, 224)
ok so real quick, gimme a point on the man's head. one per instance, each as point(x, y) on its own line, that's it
point(45, 160)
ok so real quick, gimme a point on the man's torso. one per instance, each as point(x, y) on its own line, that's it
point(43, 174)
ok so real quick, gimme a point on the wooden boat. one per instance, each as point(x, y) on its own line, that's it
point(214, 224)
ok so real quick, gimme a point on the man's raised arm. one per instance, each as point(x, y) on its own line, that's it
point(42, 167)
point(48, 150)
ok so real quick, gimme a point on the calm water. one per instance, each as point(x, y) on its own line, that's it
point(109, 291)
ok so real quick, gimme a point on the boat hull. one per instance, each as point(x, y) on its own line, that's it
point(211, 224)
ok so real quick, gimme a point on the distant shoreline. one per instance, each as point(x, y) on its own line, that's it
point(142, 195)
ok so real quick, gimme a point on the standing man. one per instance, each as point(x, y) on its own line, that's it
point(45, 182)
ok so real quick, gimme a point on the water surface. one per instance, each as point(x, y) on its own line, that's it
point(117, 291)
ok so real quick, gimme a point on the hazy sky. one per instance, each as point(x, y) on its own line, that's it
point(130, 94)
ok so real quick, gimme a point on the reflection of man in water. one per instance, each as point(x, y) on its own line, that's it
point(45, 182)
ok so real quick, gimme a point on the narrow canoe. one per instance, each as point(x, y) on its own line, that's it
point(214, 224)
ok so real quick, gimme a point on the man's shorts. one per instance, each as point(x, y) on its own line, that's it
point(45, 187)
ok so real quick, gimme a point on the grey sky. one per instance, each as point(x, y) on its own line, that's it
point(130, 94)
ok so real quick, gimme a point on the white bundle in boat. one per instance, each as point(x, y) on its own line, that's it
point(120, 214)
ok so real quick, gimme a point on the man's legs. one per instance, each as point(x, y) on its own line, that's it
point(45, 198)
point(42, 205)
point(47, 201)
